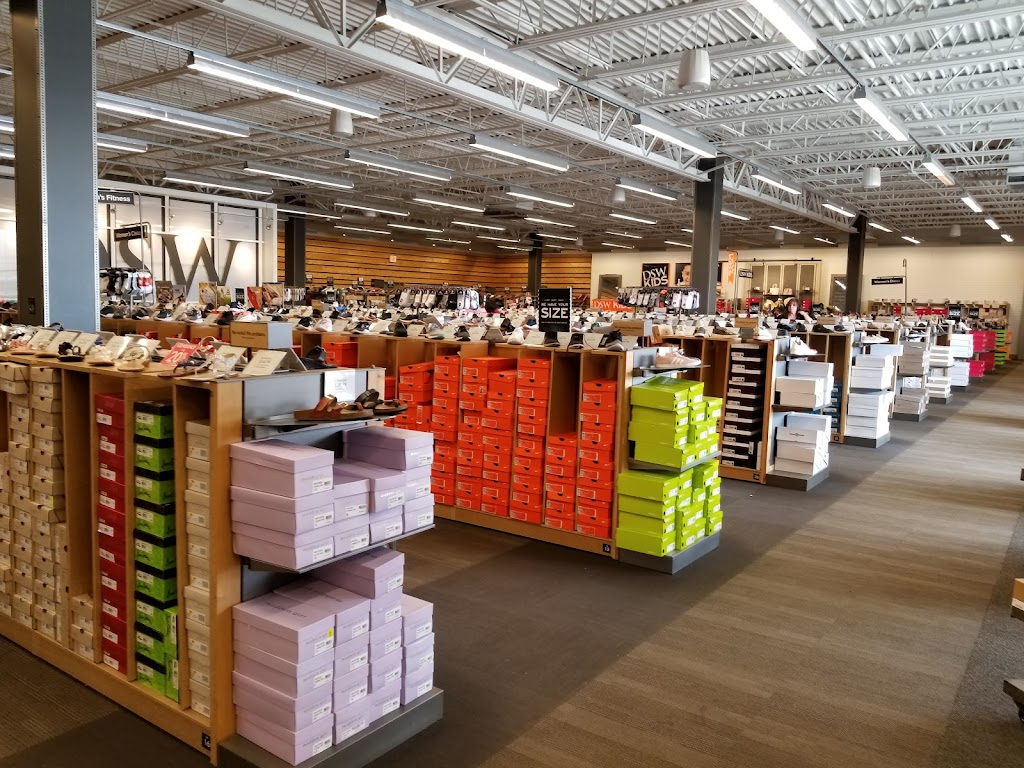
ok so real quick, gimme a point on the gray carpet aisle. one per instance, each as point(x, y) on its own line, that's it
point(864, 624)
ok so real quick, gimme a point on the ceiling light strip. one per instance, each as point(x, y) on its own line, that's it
point(643, 188)
point(691, 142)
point(126, 105)
point(447, 202)
point(377, 160)
point(294, 174)
point(516, 152)
point(215, 182)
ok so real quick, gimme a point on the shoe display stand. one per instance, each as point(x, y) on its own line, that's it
point(230, 406)
point(835, 348)
point(387, 352)
point(912, 402)
point(746, 424)
point(887, 387)
point(1015, 688)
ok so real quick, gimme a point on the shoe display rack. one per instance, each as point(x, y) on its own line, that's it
point(1015, 688)
point(746, 424)
point(912, 379)
point(835, 348)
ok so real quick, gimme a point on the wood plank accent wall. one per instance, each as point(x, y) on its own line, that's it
point(345, 259)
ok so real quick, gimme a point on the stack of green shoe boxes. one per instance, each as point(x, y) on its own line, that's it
point(156, 550)
point(669, 422)
point(648, 516)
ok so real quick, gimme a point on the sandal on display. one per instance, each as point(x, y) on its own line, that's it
point(70, 353)
point(369, 398)
point(100, 356)
point(187, 368)
point(390, 408)
point(335, 412)
point(134, 359)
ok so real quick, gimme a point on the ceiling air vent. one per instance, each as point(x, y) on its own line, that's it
point(1015, 173)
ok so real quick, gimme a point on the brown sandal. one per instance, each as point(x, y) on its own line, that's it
point(334, 412)
point(390, 408)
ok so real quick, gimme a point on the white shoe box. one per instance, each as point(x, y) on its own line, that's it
point(805, 452)
point(863, 432)
point(801, 467)
point(809, 421)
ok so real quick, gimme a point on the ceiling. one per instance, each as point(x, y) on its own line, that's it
point(951, 71)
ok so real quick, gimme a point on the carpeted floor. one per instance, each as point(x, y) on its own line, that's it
point(863, 624)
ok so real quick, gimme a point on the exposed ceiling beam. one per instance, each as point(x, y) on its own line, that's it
point(169, 21)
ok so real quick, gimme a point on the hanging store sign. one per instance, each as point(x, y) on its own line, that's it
point(747, 273)
point(114, 197)
point(974, 313)
point(654, 275)
point(132, 232)
point(955, 312)
point(895, 280)
point(554, 309)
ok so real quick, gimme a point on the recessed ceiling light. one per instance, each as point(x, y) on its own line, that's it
point(876, 225)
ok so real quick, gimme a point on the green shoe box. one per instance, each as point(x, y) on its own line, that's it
point(172, 691)
point(714, 407)
point(714, 523)
point(157, 615)
point(676, 437)
point(691, 535)
point(637, 506)
point(700, 430)
point(154, 487)
point(666, 393)
point(154, 455)
point(155, 519)
point(665, 455)
point(655, 526)
point(713, 506)
point(684, 498)
point(150, 644)
point(155, 551)
point(154, 418)
point(647, 543)
point(698, 413)
point(714, 489)
point(673, 419)
point(656, 486)
point(700, 495)
point(706, 447)
point(690, 515)
point(161, 585)
point(151, 674)
point(706, 473)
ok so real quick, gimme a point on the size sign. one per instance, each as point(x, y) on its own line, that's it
point(554, 309)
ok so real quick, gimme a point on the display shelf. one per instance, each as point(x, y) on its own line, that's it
point(1017, 611)
point(257, 565)
point(960, 387)
point(677, 561)
point(529, 530)
point(795, 482)
point(909, 416)
point(940, 400)
point(869, 442)
point(741, 473)
point(1015, 690)
point(677, 369)
point(358, 751)
point(649, 467)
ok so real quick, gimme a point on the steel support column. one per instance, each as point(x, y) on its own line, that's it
point(707, 215)
point(855, 263)
point(53, 45)
point(534, 265)
point(295, 250)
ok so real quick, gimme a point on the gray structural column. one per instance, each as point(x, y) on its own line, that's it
point(707, 218)
point(53, 45)
point(295, 250)
point(855, 263)
point(534, 264)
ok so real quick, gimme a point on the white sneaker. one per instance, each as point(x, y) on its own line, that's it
point(324, 325)
point(516, 337)
point(380, 326)
point(763, 334)
point(798, 348)
point(674, 359)
point(874, 338)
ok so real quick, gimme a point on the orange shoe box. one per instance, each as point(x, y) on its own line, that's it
point(470, 388)
point(469, 501)
point(560, 491)
point(469, 436)
point(479, 367)
point(497, 423)
point(443, 466)
point(442, 484)
point(562, 449)
point(598, 531)
point(472, 404)
point(595, 472)
point(414, 396)
point(528, 483)
point(502, 385)
point(446, 368)
point(417, 376)
point(444, 451)
point(467, 486)
point(446, 388)
point(594, 514)
point(531, 392)
point(559, 522)
point(596, 492)
point(529, 410)
point(596, 457)
point(490, 508)
point(528, 465)
point(592, 436)
point(446, 404)
point(535, 429)
point(605, 417)
point(566, 471)
point(474, 471)
point(420, 414)
point(501, 407)
point(529, 446)
point(497, 471)
point(561, 510)
point(495, 493)
point(472, 419)
point(494, 441)
point(444, 419)
point(526, 514)
point(444, 435)
point(447, 499)
point(599, 395)
point(468, 456)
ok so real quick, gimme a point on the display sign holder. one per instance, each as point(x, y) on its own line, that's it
point(554, 310)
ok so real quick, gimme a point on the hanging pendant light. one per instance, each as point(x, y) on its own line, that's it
point(694, 70)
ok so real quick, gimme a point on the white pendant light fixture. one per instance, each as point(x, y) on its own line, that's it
point(781, 16)
point(447, 202)
point(971, 203)
point(619, 245)
point(877, 111)
point(415, 228)
point(910, 239)
point(401, 17)
point(341, 123)
point(872, 177)
point(6, 124)
point(632, 217)
point(634, 185)
point(687, 229)
point(623, 234)
point(120, 143)
point(677, 242)
point(514, 151)
point(832, 206)
point(306, 212)
point(6, 153)
point(372, 208)
point(618, 196)
point(295, 174)
point(825, 240)
point(364, 230)
point(775, 180)
point(780, 228)
point(733, 215)
point(215, 182)
point(549, 235)
point(550, 222)
point(992, 223)
point(498, 239)
point(525, 193)
point(881, 227)
point(475, 225)
point(377, 160)
point(126, 105)
point(937, 170)
point(694, 72)
point(520, 248)
point(449, 240)
point(1006, 236)
point(666, 132)
point(274, 82)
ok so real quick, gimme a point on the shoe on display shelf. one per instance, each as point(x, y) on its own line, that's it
point(673, 358)
point(493, 333)
point(551, 339)
point(361, 327)
point(609, 338)
point(799, 348)
point(517, 337)
point(380, 326)
point(576, 341)
point(324, 325)
point(462, 334)
point(874, 338)
point(305, 322)
point(763, 334)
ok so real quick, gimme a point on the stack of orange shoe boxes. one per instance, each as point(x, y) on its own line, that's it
point(444, 423)
point(498, 422)
point(416, 390)
point(479, 445)
point(595, 488)
point(533, 386)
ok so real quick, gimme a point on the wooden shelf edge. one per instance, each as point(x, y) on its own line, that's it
point(527, 530)
point(185, 725)
point(741, 473)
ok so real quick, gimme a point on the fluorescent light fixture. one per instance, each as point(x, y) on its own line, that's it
point(1006, 236)
point(992, 223)
point(687, 229)
point(268, 80)
point(937, 170)
point(525, 193)
point(364, 229)
point(971, 203)
point(825, 240)
point(6, 124)
point(120, 143)
point(498, 239)
point(785, 229)
point(415, 228)
point(513, 248)
point(307, 212)
point(450, 240)
point(691, 142)
point(876, 225)
point(556, 237)
point(839, 209)
point(475, 225)
point(447, 202)
point(644, 188)
point(910, 239)
point(294, 174)
point(539, 220)
point(676, 242)
point(526, 154)
point(877, 112)
point(619, 245)
point(776, 181)
point(623, 234)
point(6, 153)
point(631, 217)
point(430, 30)
point(215, 182)
point(732, 215)
point(377, 160)
point(373, 207)
point(126, 105)
point(781, 16)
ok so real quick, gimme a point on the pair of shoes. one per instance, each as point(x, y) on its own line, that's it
point(799, 348)
point(516, 337)
point(551, 339)
point(675, 359)
point(612, 342)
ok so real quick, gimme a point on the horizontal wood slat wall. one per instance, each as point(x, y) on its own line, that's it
point(345, 259)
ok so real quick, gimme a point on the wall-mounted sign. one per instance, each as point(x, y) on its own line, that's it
point(747, 273)
point(654, 275)
point(114, 197)
point(955, 312)
point(895, 280)
point(974, 313)
point(131, 232)
point(554, 309)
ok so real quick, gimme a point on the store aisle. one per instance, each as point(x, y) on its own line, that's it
point(830, 629)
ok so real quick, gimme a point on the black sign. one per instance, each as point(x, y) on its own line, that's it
point(955, 312)
point(974, 313)
point(554, 309)
point(747, 273)
point(240, 296)
point(897, 280)
point(133, 232)
point(654, 275)
point(110, 197)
